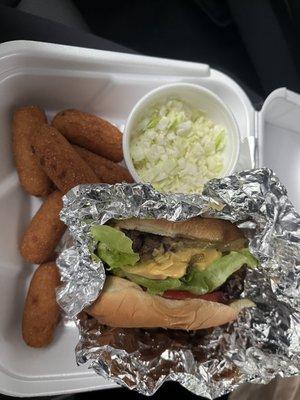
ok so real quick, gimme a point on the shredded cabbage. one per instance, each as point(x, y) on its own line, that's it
point(177, 148)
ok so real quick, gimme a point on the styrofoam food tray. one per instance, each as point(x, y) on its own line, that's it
point(56, 77)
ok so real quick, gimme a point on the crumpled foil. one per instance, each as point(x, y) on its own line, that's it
point(261, 344)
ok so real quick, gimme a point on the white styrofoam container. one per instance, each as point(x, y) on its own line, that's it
point(108, 84)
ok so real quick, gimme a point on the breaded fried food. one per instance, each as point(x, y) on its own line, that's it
point(44, 231)
point(60, 161)
point(91, 132)
point(41, 312)
point(25, 122)
point(106, 170)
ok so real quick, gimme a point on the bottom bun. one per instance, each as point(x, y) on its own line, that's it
point(124, 304)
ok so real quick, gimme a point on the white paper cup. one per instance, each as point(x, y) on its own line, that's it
point(198, 97)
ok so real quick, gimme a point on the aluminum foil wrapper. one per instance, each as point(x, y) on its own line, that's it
point(261, 344)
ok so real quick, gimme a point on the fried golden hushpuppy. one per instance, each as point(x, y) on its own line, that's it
point(60, 161)
point(91, 132)
point(25, 122)
point(106, 170)
point(41, 312)
point(44, 231)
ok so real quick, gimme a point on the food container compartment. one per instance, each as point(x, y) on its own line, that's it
point(108, 84)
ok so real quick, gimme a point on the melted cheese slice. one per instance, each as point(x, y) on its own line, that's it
point(174, 264)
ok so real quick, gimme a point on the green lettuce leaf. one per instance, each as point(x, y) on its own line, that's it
point(114, 247)
point(153, 286)
point(201, 282)
point(251, 260)
point(195, 281)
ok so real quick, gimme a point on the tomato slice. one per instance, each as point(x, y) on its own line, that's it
point(218, 297)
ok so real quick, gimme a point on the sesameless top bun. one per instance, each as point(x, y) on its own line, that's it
point(202, 229)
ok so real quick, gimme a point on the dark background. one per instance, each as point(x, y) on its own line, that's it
point(254, 41)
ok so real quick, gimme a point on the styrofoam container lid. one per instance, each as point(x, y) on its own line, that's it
point(278, 139)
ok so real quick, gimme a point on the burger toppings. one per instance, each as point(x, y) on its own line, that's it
point(176, 268)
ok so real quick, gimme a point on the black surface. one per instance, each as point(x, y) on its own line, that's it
point(172, 28)
point(270, 38)
point(18, 25)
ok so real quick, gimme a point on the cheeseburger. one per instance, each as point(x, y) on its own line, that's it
point(175, 275)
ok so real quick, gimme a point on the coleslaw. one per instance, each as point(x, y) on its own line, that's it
point(177, 148)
